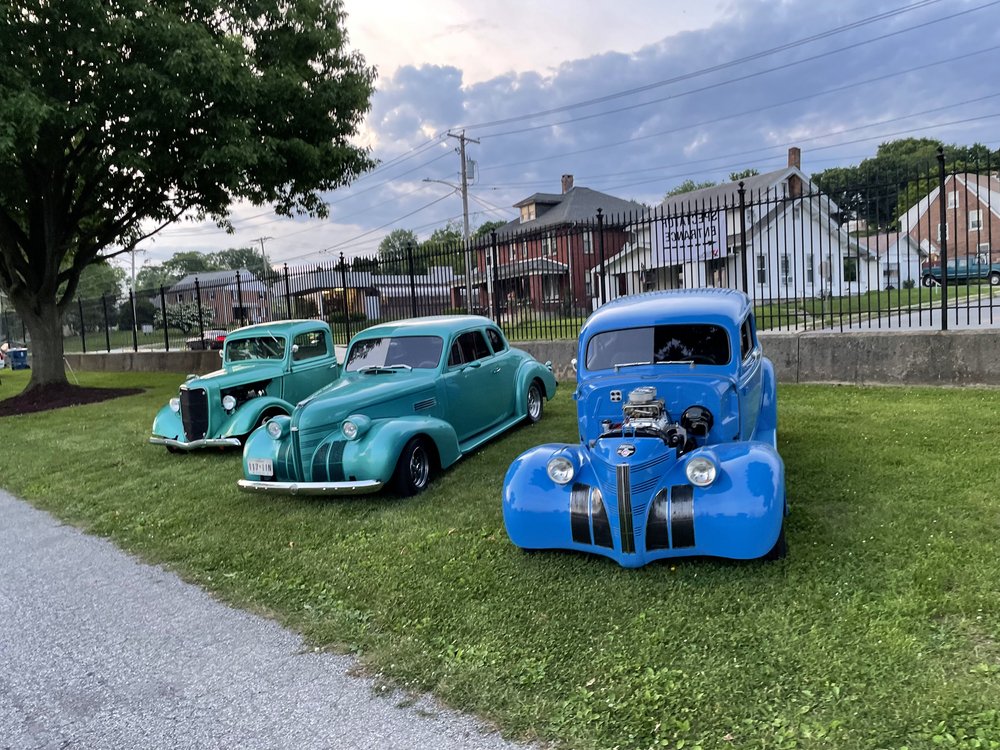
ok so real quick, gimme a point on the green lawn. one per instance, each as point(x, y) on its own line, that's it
point(880, 630)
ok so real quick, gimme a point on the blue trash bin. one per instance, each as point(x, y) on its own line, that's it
point(18, 359)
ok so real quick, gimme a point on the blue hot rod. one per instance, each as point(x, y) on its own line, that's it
point(678, 423)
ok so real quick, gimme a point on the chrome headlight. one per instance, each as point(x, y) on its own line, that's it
point(175, 404)
point(701, 471)
point(560, 470)
point(229, 403)
point(274, 429)
point(355, 426)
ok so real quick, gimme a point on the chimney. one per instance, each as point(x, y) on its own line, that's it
point(567, 183)
point(795, 157)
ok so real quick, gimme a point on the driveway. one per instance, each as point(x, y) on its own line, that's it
point(98, 650)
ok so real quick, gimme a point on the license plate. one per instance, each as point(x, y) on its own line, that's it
point(262, 467)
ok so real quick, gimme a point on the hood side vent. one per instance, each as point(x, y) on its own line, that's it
point(427, 403)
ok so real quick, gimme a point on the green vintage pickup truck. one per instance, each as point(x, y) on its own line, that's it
point(965, 269)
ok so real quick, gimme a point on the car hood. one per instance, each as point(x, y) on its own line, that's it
point(238, 373)
point(376, 396)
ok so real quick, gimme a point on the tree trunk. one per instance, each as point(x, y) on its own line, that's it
point(44, 324)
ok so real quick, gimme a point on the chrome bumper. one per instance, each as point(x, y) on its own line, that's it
point(195, 444)
point(362, 487)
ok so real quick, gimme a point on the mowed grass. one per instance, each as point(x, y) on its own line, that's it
point(880, 630)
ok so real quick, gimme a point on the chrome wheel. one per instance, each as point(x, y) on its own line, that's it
point(534, 403)
point(419, 467)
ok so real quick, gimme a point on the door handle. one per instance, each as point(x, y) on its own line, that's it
point(496, 370)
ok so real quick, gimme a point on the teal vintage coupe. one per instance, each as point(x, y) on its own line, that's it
point(266, 369)
point(415, 396)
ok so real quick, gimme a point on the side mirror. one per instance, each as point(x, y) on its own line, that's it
point(222, 354)
point(295, 348)
point(573, 362)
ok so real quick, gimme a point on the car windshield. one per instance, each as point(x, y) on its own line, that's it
point(399, 352)
point(695, 343)
point(258, 347)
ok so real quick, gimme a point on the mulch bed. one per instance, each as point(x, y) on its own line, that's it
point(48, 397)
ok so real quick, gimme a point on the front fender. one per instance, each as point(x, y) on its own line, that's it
point(374, 455)
point(247, 416)
point(167, 423)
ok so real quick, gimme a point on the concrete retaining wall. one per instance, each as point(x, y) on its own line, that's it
point(864, 357)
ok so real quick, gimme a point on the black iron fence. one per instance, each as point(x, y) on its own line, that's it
point(915, 248)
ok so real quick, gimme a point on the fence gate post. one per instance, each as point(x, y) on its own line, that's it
point(163, 312)
point(244, 318)
point(343, 285)
point(83, 333)
point(743, 237)
point(107, 328)
point(943, 236)
point(600, 250)
point(288, 293)
point(413, 280)
point(491, 287)
point(201, 321)
point(135, 325)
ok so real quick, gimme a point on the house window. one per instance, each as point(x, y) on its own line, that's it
point(850, 270)
point(940, 232)
point(180, 298)
point(761, 269)
point(550, 288)
point(975, 220)
point(527, 212)
point(548, 245)
point(524, 248)
point(953, 199)
point(809, 269)
point(588, 243)
point(786, 270)
point(588, 285)
point(512, 251)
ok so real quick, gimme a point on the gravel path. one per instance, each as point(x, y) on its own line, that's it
point(98, 650)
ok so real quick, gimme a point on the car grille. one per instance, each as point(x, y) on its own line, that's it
point(626, 489)
point(194, 412)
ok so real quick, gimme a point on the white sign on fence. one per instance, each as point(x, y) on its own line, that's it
point(692, 237)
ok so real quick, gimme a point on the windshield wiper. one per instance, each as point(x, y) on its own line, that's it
point(398, 367)
point(675, 362)
point(619, 365)
point(378, 370)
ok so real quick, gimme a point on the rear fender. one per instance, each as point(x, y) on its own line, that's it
point(529, 372)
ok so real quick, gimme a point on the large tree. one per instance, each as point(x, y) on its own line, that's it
point(119, 117)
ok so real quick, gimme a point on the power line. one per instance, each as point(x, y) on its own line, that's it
point(720, 66)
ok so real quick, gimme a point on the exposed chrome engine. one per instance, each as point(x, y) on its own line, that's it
point(644, 411)
point(646, 415)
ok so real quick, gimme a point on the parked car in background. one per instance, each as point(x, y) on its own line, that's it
point(415, 396)
point(266, 369)
point(212, 339)
point(965, 270)
point(677, 413)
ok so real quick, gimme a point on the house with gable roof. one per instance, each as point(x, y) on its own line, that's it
point(233, 296)
point(546, 259)
point(972, 218)
point(796, 247)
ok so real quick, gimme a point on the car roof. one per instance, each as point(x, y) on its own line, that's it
point(725, 307)
point(280, 327)
point(432, 325)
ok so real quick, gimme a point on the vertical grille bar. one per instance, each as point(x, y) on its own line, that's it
point(657, 536)
point(579, 518)
point(625, 509)
point(682, 515)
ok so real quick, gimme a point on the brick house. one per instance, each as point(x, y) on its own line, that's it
point(232, 296)
point(972, 218)
point(545, 259)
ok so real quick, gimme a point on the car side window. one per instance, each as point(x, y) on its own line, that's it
point(746, 339)
point(309, 345)
point(496, 340)
point(468, 347)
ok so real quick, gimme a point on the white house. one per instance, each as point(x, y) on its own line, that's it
point(795, 245)
point(898, 258)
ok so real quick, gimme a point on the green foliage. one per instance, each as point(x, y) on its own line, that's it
point(184, 317)
point(688, 186)
point(884, 187)
point(878, 631)
point(484, 230)
point(393, 249)
point(737, 176)
point(167, 109)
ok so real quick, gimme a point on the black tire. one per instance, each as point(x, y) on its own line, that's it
point(995, 279)
point(413, 469)
point(535, 403)
point(780, 549)
point(172, 449)
point(928, 281)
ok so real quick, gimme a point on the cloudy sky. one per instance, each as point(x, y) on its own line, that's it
point(631, 98)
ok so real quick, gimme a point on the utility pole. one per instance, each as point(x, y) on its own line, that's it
point(263, 255)
point(462, 140)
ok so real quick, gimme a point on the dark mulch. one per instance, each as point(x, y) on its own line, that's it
point(43, 398)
